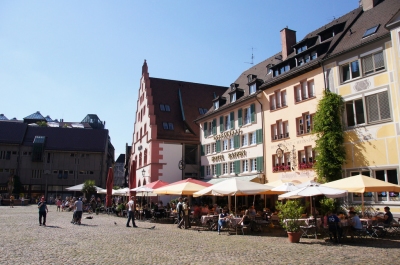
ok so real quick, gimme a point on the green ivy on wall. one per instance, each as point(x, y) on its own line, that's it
point(328, 128)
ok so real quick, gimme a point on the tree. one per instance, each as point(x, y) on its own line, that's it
point(328, 128)
point(88, 188)
point(42, 123)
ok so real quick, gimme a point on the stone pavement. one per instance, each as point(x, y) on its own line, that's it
point(100, 241)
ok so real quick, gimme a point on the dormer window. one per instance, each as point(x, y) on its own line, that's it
point(301, 48)
point(253, 88)
point(233, 97)
point(216, 105)
point(251, 78)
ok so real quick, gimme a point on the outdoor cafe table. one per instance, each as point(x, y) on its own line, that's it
point(206, 218)
point(306, 221)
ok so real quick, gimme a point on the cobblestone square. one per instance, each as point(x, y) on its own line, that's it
point(101, 241)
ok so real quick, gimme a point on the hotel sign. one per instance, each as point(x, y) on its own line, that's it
point(227, 134)
point(234, 155)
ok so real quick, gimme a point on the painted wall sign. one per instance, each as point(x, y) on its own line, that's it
point(218, 158)
point(238, 154)
point(227, 134)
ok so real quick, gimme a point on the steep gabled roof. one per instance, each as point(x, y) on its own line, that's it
point(12, 132)
point(379, 15)
point(35, 116)
point(184, 100)
point(69, 139)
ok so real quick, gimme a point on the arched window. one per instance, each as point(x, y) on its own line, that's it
point(144, 182)
point(145, 157)
point(139, 184)
point(140, 159)
point(141, 133)
point(145, 128)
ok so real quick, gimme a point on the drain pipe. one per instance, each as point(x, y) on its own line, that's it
point(263, 145)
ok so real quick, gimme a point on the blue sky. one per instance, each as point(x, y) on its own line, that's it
point(67, 59)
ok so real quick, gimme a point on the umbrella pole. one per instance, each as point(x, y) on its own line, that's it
point(362, 204)
point(235, 206)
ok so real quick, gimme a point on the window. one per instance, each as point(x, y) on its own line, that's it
point(244, 140)
point(208, 149)
point(373, 63)
point(391, 177)
point(225, 168)
point(278, 99)
point(170, 126)
point(231, 143)
point(214, 147)
point(162, 107)
point(165, 125)
point(225, 144)
point(233, 97)
point(252, 137)
point(377, 109)
point(216, 105)
point(245, 165)
point(280, 130)
point(247, 115)
point(306, 158)
point(167, 108)
point(350, 71)
point(145, 157)
point(208, 170)
point(304, 91)
point(214, 170)
point(205, 111)
point(301, 49)
point(232, 167)
point(304, 124)
point(253, 164)
point(227, 123)
point(355, 112)
point(370, 31)
point(201, 111)
point(253, 88)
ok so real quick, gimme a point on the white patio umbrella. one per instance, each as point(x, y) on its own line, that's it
point(79, 188)
point(285, 187)
point(307, 183)
point(313, 190)
point(233, 187)
point(123, 191)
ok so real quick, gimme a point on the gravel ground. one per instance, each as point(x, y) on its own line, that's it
point(101, 241)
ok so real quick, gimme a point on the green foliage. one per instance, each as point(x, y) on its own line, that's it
point(330, 138)
point(291, 210)
point(327, 205)
point(89, 188)
point(42, 123)
point(116, 187)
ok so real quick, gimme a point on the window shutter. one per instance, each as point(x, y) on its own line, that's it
point(260, 163)
point(379, 62)
point(218, 169)
point(259, 136)
point(384, 108)
point(221, 124)
point(202, 150)
point(236, 141)
point(240, 117)
point(237, 166)
point(218, 146)
point(232, 118)
point(368, 64)
point(253, 110)
point(214, 126)
point(202, 171)
point(205, 130)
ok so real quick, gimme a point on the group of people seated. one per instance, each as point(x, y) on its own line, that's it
point(335, 226)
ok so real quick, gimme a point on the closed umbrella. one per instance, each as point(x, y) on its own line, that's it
point(109, 187)
point(361, 184)
point(132, 178)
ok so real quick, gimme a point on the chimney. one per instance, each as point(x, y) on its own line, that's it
point(368, 4)
point(288, 39)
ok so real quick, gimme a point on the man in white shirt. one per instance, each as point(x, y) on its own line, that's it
point(131, 212)
point(79, 210)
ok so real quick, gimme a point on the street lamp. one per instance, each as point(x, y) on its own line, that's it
point(143, 172)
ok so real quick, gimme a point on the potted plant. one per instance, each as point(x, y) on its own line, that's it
point(289, 214)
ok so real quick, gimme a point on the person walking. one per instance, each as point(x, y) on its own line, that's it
point(185, 211)
point(42, 206)
point(179, 210)
point(79, 210)
point(131, 212)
